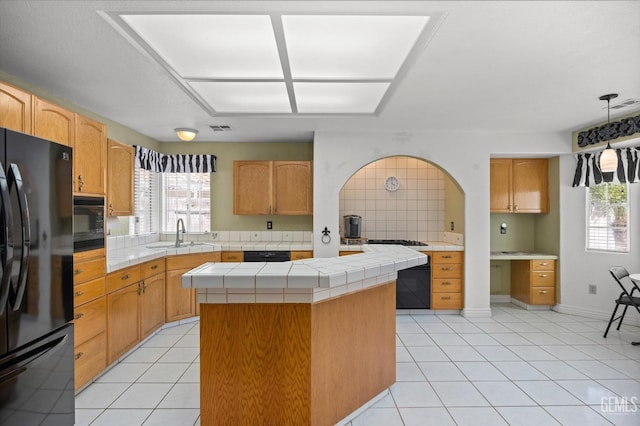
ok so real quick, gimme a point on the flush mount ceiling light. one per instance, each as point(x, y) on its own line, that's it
point(186, 134)
point(608, 158)
point(278, 64)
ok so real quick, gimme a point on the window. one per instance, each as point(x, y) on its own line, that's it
point(145, 189)
point(186, 196)
point(608, 217)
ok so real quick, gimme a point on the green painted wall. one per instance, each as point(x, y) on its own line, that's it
point(222, 217)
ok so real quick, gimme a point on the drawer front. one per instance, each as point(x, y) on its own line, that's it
point(297, 255)
point(543, 296)
point(85, 292)
point(191, 261)
point(90, 359)
point(446, 285)
point(543, 265)
point(232, 256)
point(348, 252)
point(450, 270)
point(90, 319)
point(89, 255)
point(123, 278)
point(446, 257)
point(88, 270)
point(446, 301)
point(152, 268)
point(543, 279)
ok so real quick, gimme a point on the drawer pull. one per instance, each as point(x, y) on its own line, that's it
point(446, 283)
point(78, 293)
point(543, 263)
point(543, 275)
point(448, 256)
point(77, 271)
point(154, 267)
point(124, 277)
point(543, 291)
point(78, 316)
point(79, 355)
point(446, 298)
point(445, 268)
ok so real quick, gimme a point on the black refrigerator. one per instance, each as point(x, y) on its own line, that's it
point(36, 285)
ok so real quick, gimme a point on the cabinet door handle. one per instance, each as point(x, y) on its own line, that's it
point(139, 289)
point(154, 267)
point(78, 316)
point(124, 277)
point(446, 283)
point(77, 272)
point(446, 298)
point(543, 275)
point(543, 291)
point(79, 355)
point(78, 293)
point(144, 286)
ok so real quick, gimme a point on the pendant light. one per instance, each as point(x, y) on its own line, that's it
point(186, 134)
point(608, 158)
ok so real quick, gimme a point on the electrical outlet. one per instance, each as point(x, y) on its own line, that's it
point(452, 226)
point(593, 289)
point(503, 228)
point(269, 224)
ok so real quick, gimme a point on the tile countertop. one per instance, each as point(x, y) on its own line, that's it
point(301, 281)
point(520, 255)
point(432, 246)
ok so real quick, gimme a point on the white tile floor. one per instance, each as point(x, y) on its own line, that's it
point(518, 368)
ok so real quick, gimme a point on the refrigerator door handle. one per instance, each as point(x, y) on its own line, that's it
point(16, 366)
point(6, 255)
point(23, 205)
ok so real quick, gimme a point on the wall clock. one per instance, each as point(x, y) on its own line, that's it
point(392, 183)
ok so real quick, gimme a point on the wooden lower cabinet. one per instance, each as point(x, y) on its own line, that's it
point(181, 302)
point(151, 305)
point(232, 256)
point(90, 359)
point(123, 316)
point(534, 281)
point(447, 289)
point(298, 255)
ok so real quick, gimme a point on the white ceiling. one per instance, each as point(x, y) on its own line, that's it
point(487, 67)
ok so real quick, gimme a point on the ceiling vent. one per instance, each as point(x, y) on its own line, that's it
point(626, 103)
point(221, 128)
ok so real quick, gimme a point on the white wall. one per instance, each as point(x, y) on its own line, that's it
point(465, 156)
point(580, 268)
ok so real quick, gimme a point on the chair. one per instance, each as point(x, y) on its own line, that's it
point(626, 298)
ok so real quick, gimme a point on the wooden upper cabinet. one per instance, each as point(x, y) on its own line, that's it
point(89, 157)
point(252, 187)
point(519, 185)
point(272, 188)
point(293, 187)
point(120, 163)
point(53, 122)
point(15, 109)
point(531, 185)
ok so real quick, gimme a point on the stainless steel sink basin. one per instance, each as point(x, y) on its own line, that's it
point(165, 246)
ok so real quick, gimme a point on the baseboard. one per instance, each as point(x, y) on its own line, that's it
point(629, 319)
point(530, 307)
point(476, 312)
point(500, 298)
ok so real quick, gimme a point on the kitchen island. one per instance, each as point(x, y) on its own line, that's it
point(304, 342)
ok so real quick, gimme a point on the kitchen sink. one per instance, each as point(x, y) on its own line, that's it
point(166, 246)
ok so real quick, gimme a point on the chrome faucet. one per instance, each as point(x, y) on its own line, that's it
point(178, 239)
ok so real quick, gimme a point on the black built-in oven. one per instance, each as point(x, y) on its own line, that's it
point(88, 223)
point(413, 285)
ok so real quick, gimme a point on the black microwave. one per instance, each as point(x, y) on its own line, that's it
point(88, 223)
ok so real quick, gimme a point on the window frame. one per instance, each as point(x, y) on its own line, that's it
point(165, 225)
point(609, 227)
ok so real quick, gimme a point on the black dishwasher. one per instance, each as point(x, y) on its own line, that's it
point(267, 256)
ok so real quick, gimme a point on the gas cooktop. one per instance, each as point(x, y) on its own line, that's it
point(398, 242)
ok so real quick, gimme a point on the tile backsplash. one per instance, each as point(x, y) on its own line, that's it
point(415, 211)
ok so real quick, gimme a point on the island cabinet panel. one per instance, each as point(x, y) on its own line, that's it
point(296, 364)
point(53, 122)
point(89, 157)
point(15, 109)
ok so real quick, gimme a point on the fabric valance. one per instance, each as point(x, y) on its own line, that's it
point(174, 163)
point(588, 168)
